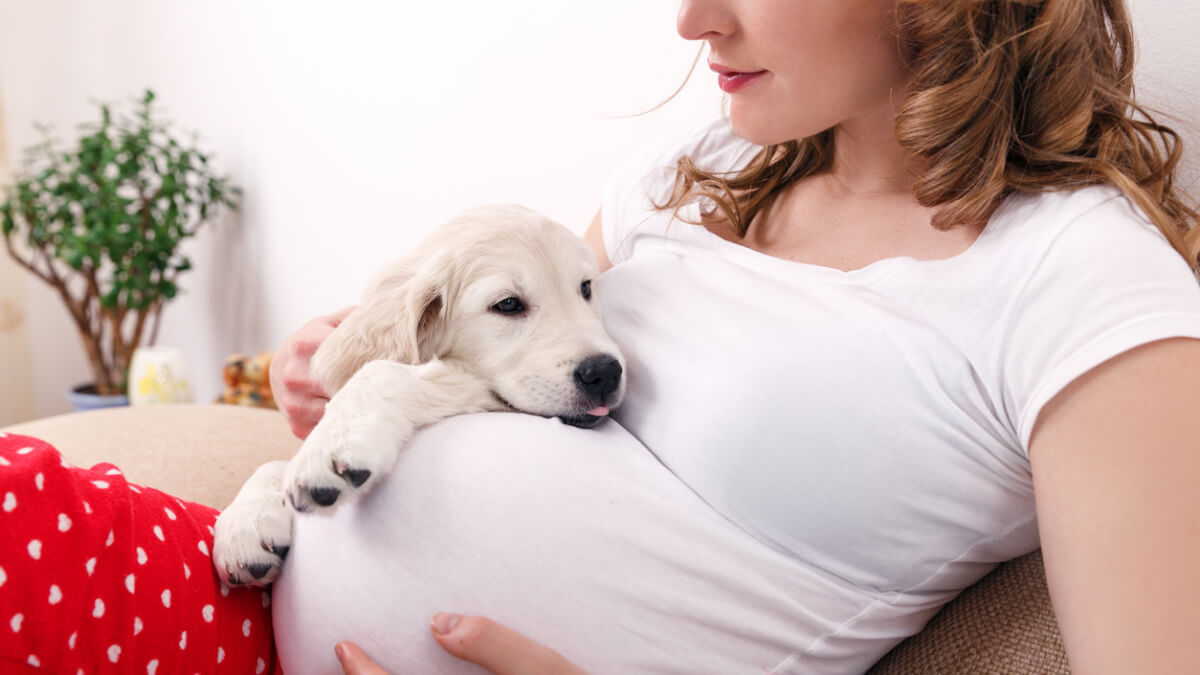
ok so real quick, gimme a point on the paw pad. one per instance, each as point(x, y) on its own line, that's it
point(356, 476)
point(258, 570)
point(325, 496)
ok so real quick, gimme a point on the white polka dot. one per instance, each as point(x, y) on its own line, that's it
point(39, 481)
point(202, 546)
point(102, 484)
point(71, 640)
point(62, 461)
point(181, 504)
point(108, 542)
point(87, 508)
point(152, 667)
point(35, 549)
point(135, 489)
point(266, 597)
point(141, 556)
point(262, 665)
point(246, 628)
point(25, 451)
point(137, 625)
point(129, 581)
point(224, 591)
point(55, 594)
point(113, 472)
point(159, 533)
point(169, 512)
point(207, 613)
point(98, 608)
point(64, 522)
point(187, 571)
point(15, 622)
point(33, 661)
point(220, 654)
point(4, 462)
point(211, 531)
point(90, 565)
point(183, 640)
point(114, 653)
point(166, 598)
point(3, 576)
point(10, 502)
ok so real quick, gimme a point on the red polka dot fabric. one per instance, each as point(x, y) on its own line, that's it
point(98, 575)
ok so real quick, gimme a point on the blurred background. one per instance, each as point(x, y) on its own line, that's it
point(353, 128)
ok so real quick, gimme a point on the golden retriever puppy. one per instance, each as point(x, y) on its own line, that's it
point(494, 311)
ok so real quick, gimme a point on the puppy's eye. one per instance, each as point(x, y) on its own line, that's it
point(586, 289)
point(509, 305)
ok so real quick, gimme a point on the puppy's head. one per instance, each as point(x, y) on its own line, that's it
point(505, 291)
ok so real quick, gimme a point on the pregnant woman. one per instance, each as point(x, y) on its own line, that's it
point(923, 303)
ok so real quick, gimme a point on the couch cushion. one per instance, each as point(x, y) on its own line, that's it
point(202, 453)
point(1002, 624)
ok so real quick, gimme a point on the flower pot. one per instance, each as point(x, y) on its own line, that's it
point(84, 397)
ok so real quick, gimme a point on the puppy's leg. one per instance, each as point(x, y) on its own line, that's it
point(253, 534)
point(370, 419)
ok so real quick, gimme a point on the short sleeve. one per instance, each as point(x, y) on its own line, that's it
point(635, 191)
point(1108, 283)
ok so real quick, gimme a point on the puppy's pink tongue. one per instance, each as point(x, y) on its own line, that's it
point(598, 411)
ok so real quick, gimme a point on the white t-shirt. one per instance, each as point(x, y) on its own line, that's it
point(831, 456)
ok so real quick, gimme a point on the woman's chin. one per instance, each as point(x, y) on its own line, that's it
point(760, 124)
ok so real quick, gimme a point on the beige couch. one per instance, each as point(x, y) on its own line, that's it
point(1003, 624)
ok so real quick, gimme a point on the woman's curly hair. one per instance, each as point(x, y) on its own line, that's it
point(1006, 96)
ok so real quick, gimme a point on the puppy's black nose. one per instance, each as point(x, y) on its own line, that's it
point(598, 376)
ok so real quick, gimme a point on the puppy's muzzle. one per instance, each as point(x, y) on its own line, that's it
point(598, 377)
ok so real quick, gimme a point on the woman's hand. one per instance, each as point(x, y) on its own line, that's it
point(300, 398)
point(481, 641)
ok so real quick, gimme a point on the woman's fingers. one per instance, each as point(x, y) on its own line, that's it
point(499, 649)
point(481, 641)
point(355, 661)
point(297, 394)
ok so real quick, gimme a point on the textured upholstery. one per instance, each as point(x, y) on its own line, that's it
point(202, 453)
point(1003, 624)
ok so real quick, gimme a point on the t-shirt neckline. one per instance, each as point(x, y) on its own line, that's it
point(753, 259)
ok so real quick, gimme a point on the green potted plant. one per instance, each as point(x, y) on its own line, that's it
point(103, 222)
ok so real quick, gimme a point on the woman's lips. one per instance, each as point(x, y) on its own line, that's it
point(731, 80)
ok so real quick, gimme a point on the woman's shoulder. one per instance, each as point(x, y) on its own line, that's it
point(1053, 212)
point(712, 146)
point(1090, 225)
point(636, 190)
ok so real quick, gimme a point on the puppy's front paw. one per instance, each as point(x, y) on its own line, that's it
point(340, 460)
point(251, 539)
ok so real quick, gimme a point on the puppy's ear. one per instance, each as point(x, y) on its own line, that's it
point(400, 319)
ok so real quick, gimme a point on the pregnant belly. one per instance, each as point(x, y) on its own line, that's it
point(578, 538)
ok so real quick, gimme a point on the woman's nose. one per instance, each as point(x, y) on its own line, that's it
point(704, 19)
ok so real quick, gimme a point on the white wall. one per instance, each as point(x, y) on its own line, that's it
point(16, 377)
point(354, 127)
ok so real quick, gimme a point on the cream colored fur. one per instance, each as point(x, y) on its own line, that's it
point(427, 342)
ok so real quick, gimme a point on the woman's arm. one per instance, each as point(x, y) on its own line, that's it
point(595, 238)
point(1116, 472)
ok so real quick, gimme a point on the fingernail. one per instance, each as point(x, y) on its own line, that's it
point(444, 623)
point(340, 651)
